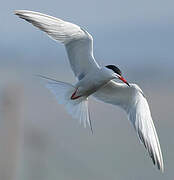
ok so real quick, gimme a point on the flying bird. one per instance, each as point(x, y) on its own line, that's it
point(94, 80)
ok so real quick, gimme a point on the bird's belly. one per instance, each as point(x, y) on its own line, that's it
point(88, 88)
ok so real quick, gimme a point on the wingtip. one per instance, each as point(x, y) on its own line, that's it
point(160, 165)
point(17, 12)
point(20, 12)
point(162, 168)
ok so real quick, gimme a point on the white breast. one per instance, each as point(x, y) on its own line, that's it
point(93, 81)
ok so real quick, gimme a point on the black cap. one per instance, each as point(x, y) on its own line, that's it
point(115, 69)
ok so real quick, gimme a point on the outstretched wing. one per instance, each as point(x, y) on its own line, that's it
point(132, 100)
point(78, 42)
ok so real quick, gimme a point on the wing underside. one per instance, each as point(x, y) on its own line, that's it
point(135, 104)
point(78, 42)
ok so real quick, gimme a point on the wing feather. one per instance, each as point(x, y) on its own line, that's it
point(139, 114)
point(56, 28)
point(78, 42)
point(132, 100)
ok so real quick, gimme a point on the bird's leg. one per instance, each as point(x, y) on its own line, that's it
point(73, 95)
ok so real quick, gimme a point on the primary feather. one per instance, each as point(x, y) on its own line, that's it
point(132, 100)
point(78, 42)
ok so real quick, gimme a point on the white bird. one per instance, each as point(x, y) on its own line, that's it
point(96, 81)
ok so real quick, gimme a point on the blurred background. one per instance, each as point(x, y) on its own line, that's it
point(38, 139)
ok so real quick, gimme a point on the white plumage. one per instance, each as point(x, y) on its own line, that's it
point(95, 80)
point(132, 100)
point(78, 42)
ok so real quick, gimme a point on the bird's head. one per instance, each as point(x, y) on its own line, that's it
point(117, 73)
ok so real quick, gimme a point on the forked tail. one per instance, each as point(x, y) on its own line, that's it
point(77, 108)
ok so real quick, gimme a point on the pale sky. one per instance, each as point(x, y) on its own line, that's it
point(125, 32)
point(136, 35)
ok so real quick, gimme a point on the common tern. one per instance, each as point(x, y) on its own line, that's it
point(96, 81)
